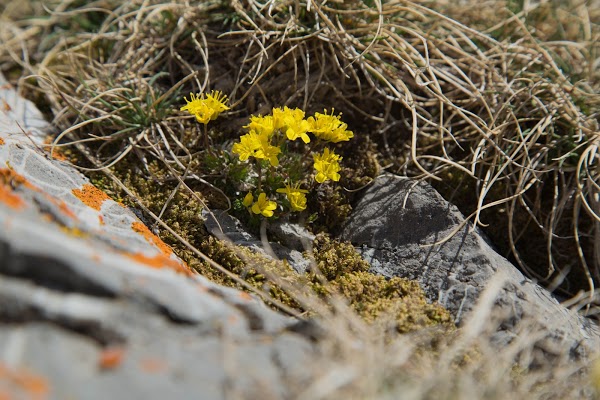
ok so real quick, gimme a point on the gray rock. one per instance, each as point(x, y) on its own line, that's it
point(226, 227)
point(395, 226)
point(292, 235)
point(19, 116)
point(80, 275)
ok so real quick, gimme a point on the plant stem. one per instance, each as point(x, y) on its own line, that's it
point(265, 240)
point(206, 142)
point(259, 175)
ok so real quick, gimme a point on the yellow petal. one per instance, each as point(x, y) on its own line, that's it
point(248, 199)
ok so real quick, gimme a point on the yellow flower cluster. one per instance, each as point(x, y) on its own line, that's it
point(257, 145)
point(327, 166)
point(286, 123)
point(295, 196)
point(262, 206)
point(329, 128)
point(292, 122)
point(265, 141)
point(257, 142)
point(206, 109)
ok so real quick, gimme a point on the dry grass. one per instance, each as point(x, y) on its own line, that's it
point(496, 101)
point(467, 365)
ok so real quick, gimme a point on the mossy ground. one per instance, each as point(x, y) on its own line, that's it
point(396, 301)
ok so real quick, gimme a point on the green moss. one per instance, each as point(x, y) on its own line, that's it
point(259, 271)
point(373, 297)
point(402, 301)
point(334, 259)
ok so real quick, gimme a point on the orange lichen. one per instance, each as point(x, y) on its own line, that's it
point(31, 385)
point(151, 237)
point(91, 196)
point(1, 141)
point(6, 106)
point(57, 155)
point(161, 261)
point(11, 178)
point(101, 220)
point(55, 152)
point(10, 199)
point(245, 296)
point(153, 365)
point(111, 357)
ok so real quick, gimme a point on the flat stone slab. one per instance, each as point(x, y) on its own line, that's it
point(94, 305)
point(395, 226)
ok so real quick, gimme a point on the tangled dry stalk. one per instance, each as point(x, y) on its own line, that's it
point(489, 99)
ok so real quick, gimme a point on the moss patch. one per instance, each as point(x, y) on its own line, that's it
point(259, 271)
point(335, 259)
point(396, 301)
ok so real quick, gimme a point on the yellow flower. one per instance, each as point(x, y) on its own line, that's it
point(329, 127)
point(257, 146)
point(248, 199)
point(295, 196)
point(278, 115)
point(327, 166)
point(265, 150)
point(292, 123)
point(206, 109)
point(216, 101)
point(262, 125)
point(247, 146)
point(268, 152)
point(264, 206)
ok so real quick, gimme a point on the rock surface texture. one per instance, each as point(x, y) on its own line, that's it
point(93, 305)
point(395, 225)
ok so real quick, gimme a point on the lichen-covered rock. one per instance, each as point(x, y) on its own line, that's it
point(94, 305)
point(395, 226)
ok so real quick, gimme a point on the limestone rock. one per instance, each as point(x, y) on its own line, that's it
point(94, 305)
point(395, 226)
